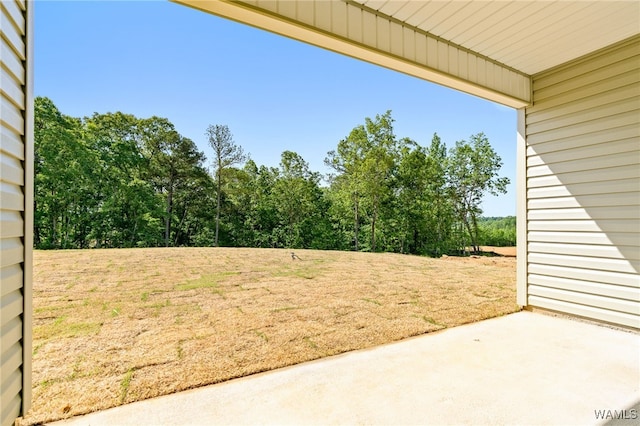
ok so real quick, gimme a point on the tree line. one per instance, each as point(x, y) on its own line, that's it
point(497, 231)
point(115, 180)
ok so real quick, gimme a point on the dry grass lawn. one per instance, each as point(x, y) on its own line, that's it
point(115, 326)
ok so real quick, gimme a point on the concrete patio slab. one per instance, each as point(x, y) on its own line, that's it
point(524, 368)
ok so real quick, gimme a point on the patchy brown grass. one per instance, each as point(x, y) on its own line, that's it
point(116, 326)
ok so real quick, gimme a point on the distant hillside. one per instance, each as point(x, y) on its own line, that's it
point(497, 231)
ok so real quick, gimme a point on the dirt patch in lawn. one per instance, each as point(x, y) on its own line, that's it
point(500, 251)
point(116, 326)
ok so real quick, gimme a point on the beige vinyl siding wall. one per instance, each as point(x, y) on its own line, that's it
point(15, 193)
point(583, 187)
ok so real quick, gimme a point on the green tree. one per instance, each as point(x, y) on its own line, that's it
point(113, 180)
point(296, 197)
point(239, 208)
point(440, 215)
point(192, 207)
point(347, 161)
point(364, 162)
point(497, 231)
point(378, 169)
point(264, 216)
point(173, 161)
point(472, 171)
point(128, 210)
point(64, 169)
point(411, 202)
point(226, 153)
point(422, 208)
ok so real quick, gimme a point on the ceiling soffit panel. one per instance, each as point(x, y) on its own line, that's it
point(530, 36)
point(359, 31)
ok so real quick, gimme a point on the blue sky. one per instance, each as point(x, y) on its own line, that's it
point(275, 94)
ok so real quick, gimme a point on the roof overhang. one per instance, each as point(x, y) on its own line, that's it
point(487, 49)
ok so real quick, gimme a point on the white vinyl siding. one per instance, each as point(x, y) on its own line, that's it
point(15, 219)
point(583, 187)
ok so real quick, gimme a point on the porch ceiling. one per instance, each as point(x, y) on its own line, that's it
point(486, 48)
point(529, 36)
